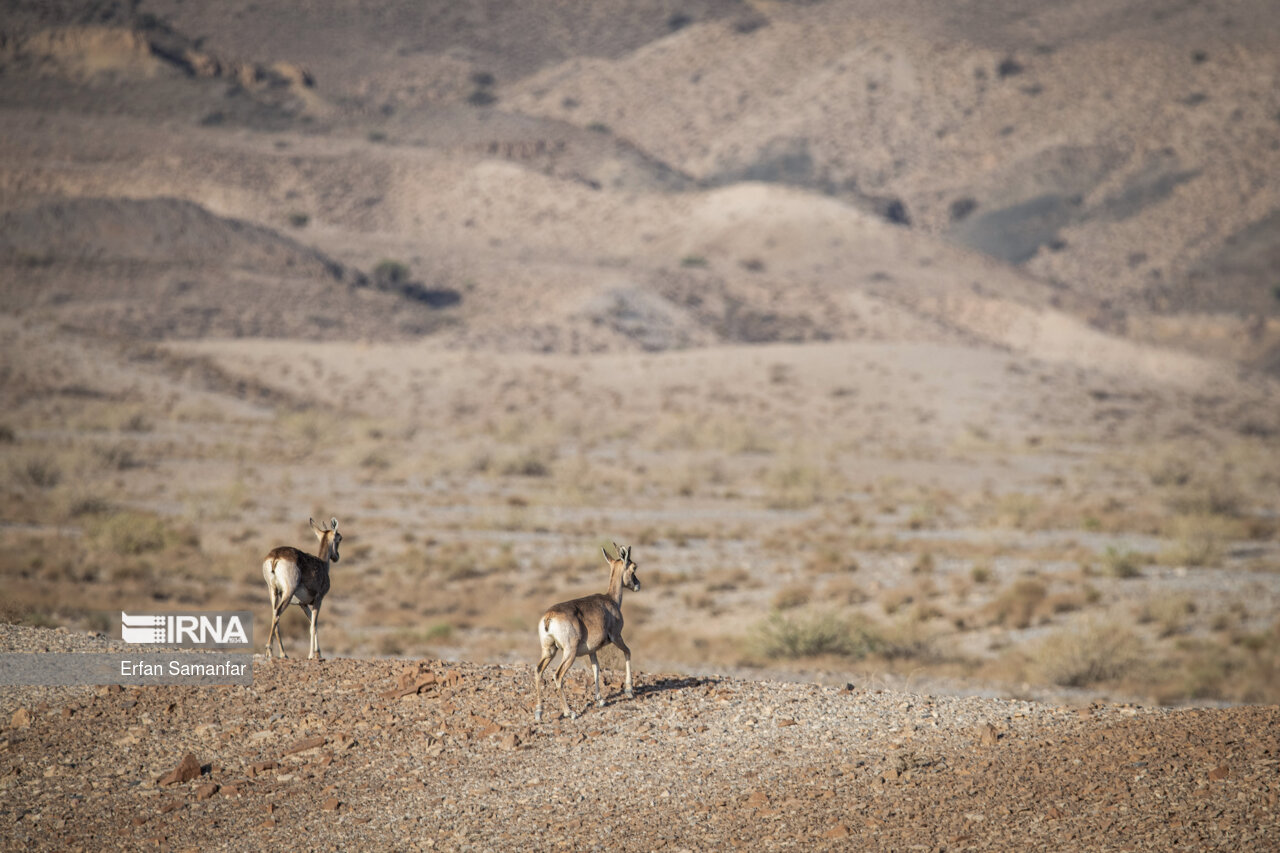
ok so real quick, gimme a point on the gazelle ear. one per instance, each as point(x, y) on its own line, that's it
point(317, 528)
point(607, 558)
point(333, 524)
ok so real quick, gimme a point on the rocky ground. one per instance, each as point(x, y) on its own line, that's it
point(445, 755)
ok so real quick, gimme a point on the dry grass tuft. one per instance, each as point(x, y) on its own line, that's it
point(1017, 604)
point(1088, 654)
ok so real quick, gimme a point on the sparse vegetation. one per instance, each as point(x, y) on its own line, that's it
point(1088, 654)
point(787, 415)
point(131, 533)
point(789, 636)
point(1121, 562)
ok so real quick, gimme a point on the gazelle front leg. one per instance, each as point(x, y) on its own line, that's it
point(595, 673)
point(315, 631)
point(626, 653)
point(310, 613)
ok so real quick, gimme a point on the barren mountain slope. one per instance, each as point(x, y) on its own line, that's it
point(471, 141)
point(1119, 160)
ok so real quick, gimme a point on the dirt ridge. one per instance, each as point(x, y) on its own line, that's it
point(704, 762)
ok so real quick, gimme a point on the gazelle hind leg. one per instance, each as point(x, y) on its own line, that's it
point(548, 655)
point(275, 624)
point(570, 654)
point(271, 590)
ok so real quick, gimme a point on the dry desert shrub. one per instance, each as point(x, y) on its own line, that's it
point(831, 559)
point(841, 590)
point(131, 533)
point(1017, 604)
point(1121, 562)
point(910, 639)
point(1242, 667)
point(790, 636)
point(1168, 613)
point(1085, 655)
point(792, 596)
point(699, 431)
point(1020, 511)
point(117, 456)
point(795, 483)
point(980, 573)
point(1198, 541)
point(35, 471)
point(728, 579)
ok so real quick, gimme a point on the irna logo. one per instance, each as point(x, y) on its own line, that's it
point(223, 629)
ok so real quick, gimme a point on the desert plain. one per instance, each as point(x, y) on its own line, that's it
point(927, 356)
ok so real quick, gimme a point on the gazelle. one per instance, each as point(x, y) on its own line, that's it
point(585, 625)
point(294, 575)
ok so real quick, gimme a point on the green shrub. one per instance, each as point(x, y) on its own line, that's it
point(390, 274)
point(1121, 563)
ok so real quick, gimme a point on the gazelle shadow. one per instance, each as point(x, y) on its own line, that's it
point(675, 683)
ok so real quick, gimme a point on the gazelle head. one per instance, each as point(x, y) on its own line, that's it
point(329, 535)
point(629, 578)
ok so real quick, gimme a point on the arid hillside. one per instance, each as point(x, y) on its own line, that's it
point(537, 164)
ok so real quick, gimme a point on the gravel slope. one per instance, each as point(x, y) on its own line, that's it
point(438, 755)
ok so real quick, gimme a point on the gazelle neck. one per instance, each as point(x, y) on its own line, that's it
point(615, 581)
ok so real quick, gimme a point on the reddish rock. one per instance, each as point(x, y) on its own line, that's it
point(21, 719)
point(305, 744)
point(1220, 772)
point(204, 792)
point(186, 770)
point(331, 804)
